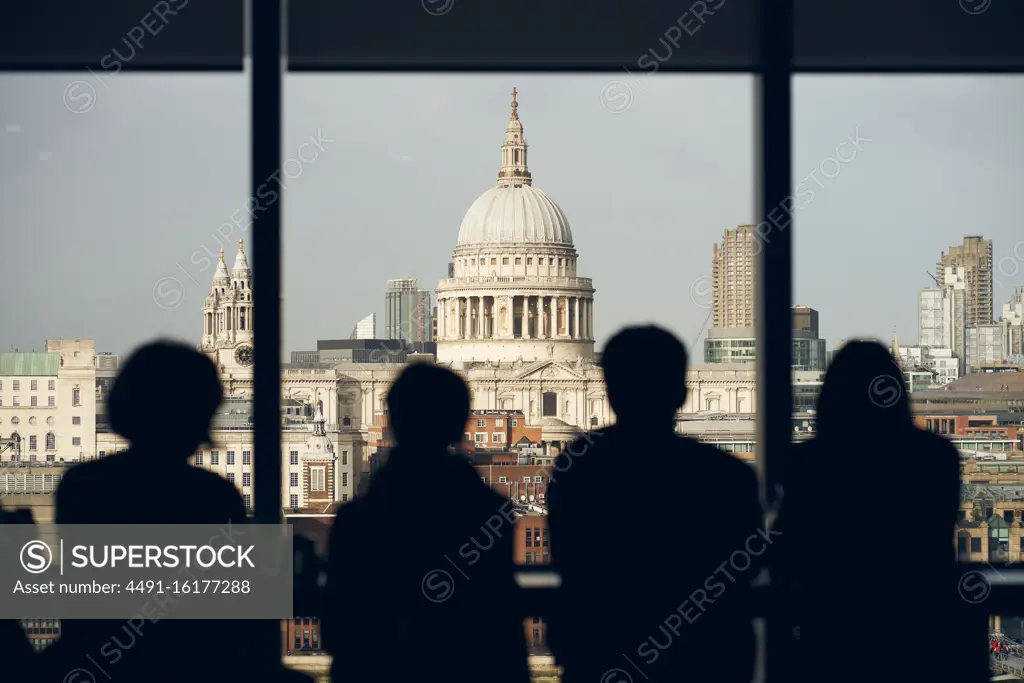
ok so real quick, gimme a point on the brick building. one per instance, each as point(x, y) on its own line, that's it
point(499, 429)
point(486, 430)
point(41, 633)
point(532, 546)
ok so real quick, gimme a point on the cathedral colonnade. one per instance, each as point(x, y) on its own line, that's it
point(516, 316)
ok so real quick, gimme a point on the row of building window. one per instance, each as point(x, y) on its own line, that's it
point(51, 385)
point(481, 437)
point(940, 426)
point(50, 457)
point(51, 441)
point(43, 626)
point(518, 261)
point(215, 457)
point(293, 457)
point(536, 537)
point(293, 500)
point(317, 477)
point(498, 422)
point(309, 640)
point(526, 480)
point(538, 557)
point(33, 402)
point(75, 421)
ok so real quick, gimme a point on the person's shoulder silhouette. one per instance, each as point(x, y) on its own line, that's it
point(685, 508)
point(863, 412)
point(404, 592)
point(865, 456)
point(162, 403)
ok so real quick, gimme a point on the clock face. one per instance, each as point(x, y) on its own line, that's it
point(243, 355)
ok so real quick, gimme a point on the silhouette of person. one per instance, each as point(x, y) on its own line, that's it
point(420, 568)
point(19, 656)
point(162, 402)
point(871, 489)
point(656, 536)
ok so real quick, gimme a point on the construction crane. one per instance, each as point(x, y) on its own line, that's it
point(896, 349)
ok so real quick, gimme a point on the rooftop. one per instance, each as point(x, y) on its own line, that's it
point(29, 364)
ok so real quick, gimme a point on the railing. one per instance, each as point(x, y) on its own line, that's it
point(584, 282)
point(539, 589)
point(29, 483)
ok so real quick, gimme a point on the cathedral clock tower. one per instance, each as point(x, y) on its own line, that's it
point(228, 324)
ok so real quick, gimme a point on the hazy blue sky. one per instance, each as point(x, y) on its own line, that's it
point(100, 208)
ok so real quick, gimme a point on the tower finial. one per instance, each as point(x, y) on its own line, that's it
point(222, 254)
point(241, 247)
point(514, 171)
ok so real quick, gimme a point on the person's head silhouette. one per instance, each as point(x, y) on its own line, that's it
point(164, 398)
point(634, 398)
point(428, 407)
point(863, 388)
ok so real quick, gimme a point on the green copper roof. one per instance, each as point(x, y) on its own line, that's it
point(29, 364)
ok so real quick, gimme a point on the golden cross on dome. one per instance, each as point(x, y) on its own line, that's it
point(241, 249)
point(222, 254)
point(515, 105)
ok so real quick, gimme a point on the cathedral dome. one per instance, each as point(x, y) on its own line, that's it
point(511, 214)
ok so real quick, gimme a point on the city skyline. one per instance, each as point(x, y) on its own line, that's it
point(130, 192)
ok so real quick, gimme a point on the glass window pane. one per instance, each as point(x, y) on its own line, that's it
point(606, 163)
point(113, 190)
point(906, 233)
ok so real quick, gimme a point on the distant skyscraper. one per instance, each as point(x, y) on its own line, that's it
point(408, 311)
point(365, 328)
point(942, 314)
point(732, 278)
point(975, 257)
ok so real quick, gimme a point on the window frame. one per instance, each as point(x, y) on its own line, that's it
point(773, 65)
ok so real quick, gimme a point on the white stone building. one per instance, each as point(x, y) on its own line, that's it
point(48, 403)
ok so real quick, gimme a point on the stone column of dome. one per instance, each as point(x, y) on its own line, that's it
point(440, 318)
point(576, 306)
point(540, 317)
point(590, 318)
point(553, 331)
point(460, 322)
point(481, 323)
point(524, 310)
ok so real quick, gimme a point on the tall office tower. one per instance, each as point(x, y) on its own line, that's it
point(942, 314)
point(732, 278)
point(408, 311)
point(975, 257)
point(365, 328)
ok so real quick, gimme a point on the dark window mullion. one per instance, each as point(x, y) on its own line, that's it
point(774, 148)
point(267, 22)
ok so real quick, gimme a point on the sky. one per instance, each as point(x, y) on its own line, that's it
point(116, 190)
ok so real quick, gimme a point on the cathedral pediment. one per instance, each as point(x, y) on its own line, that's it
point(551, 371)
